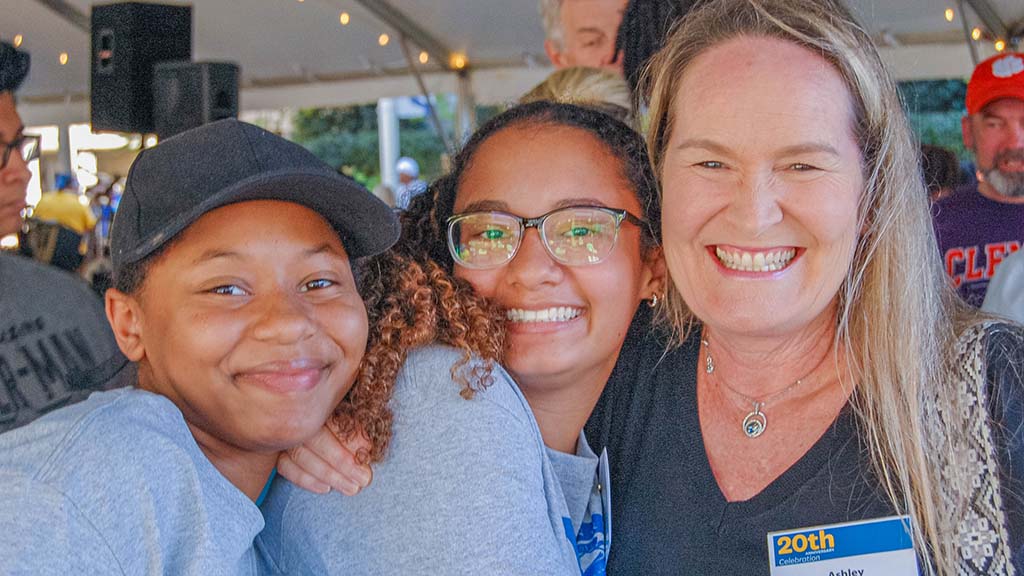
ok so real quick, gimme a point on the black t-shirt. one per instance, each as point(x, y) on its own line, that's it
point(668, 514)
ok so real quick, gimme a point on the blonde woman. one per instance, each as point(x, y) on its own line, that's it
point(826, 373)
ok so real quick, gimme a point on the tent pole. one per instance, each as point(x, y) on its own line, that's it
point(426, 95)
point(990, 18)
point(465, 117)
point(967, 34)
point(388, 146)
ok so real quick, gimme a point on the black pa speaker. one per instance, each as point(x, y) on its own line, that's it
point(190, 94)
point(127, 40)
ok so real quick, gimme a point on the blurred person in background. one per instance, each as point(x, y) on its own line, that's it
point(590, 87)
point(644, 28)
point(582, 32)
point(55, 343)
point(982, 223)
point(65, 206)
point(60, 227)
point(941, 171)
point(1005, 294)
point(409, 183)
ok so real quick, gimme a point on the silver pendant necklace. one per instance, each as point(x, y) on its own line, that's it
point(756, 422)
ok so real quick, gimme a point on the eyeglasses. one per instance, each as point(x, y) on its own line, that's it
point(27, 146)
point(574, 236)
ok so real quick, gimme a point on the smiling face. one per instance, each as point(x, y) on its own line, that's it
point(761, 181)
point(251, 324)
point(15, 176)
point(567, 323)
point(589, 28)
point(996, 135)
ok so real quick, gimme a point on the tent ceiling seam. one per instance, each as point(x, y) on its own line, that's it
point(405, 26)
point(69, 13)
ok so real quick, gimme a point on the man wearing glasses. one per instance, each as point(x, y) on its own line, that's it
point(53, 330)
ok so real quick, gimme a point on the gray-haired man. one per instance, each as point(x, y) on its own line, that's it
point(582, 32)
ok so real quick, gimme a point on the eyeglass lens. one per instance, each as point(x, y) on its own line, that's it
point(484, 240)
point(573, 236)
point(578, 236)
point(27, 147)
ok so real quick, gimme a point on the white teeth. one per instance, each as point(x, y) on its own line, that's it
point(755, 261)
point(554, 314)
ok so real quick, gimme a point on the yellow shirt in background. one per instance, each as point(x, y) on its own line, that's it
point(65, 209)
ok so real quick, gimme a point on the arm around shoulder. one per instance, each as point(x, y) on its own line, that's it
point(461, 491)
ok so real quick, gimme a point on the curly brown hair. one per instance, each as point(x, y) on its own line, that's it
point(412, 301)
point(413, 297)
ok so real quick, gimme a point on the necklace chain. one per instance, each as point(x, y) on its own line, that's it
point(756, 422)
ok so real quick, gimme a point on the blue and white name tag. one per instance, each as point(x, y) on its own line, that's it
point(864, 548)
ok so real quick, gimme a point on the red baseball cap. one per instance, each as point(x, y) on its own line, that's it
point(1001, 76)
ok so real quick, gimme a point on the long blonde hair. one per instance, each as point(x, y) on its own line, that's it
point(897, 316)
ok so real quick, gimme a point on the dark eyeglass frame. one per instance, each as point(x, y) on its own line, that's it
point(618, 214)
point(19, 144)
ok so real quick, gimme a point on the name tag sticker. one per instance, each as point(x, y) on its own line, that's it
point(863, 548)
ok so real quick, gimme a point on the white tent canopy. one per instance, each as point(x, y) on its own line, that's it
point(296, 53)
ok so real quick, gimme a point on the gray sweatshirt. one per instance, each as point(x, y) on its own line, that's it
point(467, 487)
point(116, 484)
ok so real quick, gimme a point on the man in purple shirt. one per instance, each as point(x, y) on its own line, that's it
point(983, 223)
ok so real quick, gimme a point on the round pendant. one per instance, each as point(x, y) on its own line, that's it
point(755, 423)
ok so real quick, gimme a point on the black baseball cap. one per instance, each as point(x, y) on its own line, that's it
point(173, 184)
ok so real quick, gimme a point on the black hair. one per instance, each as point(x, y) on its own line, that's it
point(940, 168)
point(645, 27)
point(130, 277)
point(425, 223)
point(14, 65)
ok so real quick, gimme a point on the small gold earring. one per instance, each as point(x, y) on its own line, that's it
point(654, 300)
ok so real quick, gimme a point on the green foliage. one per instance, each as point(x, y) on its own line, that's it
point(313, 122)
point(934, 109)
point(346, 138)
point(940, 129)
point(922, 96)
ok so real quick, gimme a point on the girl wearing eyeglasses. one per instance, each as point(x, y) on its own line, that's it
point(550, 214)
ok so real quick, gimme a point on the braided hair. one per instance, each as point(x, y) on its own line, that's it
point(645, 26)
point(14, 65)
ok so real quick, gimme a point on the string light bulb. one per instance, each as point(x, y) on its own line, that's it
point(424, 57)
point(949, 14)
point(18, 39)
point(1000, 45)
point(344, 18)
point(63, 58)
point(457, 61)
point(383, 39)
point(976, 34)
